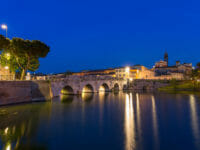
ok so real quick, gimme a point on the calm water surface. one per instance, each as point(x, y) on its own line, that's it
point(123, 121)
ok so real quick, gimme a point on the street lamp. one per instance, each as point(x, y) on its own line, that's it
point(8, 56)
point(127, 69)
point(4, 27)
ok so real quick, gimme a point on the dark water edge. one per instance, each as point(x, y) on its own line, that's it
point(121, 121)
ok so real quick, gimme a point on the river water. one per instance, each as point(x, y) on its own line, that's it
point(105, 121)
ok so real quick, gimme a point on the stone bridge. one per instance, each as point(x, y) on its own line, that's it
point(85, 84)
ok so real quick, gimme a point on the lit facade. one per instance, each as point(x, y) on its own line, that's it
point(5, 73)
point(161, 64)
point(177, 71)
point(107, 72)
point(134, 72)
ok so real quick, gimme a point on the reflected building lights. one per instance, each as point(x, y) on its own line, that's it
point(194, 119)
point(8, 146)
point(129, 123)
point(155, 121)
point(6, 130)
point(138, 116)
point(102, 89)
point(101, 110)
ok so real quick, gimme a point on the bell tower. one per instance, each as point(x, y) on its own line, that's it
point(166, 57)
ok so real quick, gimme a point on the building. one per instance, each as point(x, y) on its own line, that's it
point(102, 72)
point(134, 72)
point(166, 58)
point(146, 73)
point(122, 72)
point(162, 67)
point(161, 64)
point(5, 73)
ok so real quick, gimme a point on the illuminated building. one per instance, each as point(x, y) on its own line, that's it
point(5, 73)
point(162, 67)
point(107, 72)
point(134, 72)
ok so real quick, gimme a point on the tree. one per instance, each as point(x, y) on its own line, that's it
point(8, 60)
point(4, 42)
point(27, 54)
point(5, 58)
point(194, 74)
point(24, 54)
point(198, 66)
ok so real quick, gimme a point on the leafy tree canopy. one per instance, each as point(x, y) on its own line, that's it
point(198, 66)
point(4, 42)
point(24, 54)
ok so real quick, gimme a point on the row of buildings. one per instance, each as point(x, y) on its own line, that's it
point(160, 71)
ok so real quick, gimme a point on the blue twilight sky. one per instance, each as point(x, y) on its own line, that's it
point(96, 34)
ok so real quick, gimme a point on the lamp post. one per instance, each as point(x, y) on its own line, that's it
point(5, 27)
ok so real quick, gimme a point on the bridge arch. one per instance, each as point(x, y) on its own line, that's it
point(145, 88)
point(116, 87)
point(88, 88)
point(104, 88)
point(67, 90)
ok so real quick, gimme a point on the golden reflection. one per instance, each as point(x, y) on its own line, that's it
point(194, 118)
point(102, 96)
point(102, 89)
point(129, 123)
point(66, 98)
point(6, 130)
point(155, 121)
point(8, 146)
point(87, 96)
point(138, 116)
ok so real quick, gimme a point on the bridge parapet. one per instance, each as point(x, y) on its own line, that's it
point(87, 78)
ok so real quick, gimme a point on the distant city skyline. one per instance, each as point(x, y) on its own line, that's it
point(87, 35)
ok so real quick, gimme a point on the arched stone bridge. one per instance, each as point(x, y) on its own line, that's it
point(85, 84)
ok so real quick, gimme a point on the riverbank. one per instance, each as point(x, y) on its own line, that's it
point(186, 86)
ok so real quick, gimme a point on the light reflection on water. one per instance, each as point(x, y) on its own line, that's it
point(129, 123)
point(138, 119)
point(194, 120)
point(155, 122)
point(121, 121)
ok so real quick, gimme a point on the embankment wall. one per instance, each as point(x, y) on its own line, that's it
point(13, 92)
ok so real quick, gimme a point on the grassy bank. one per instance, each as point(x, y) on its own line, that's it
point(182, 87)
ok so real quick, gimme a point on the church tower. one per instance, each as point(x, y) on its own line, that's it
point(166, 57)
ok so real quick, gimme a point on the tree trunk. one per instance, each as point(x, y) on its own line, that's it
point(23, 74)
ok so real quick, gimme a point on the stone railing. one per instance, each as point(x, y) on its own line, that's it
point(7, 77)
point(85, 78)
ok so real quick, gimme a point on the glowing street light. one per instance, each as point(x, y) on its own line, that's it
point(127, 69)
point(4, 27)
point(7, 55)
